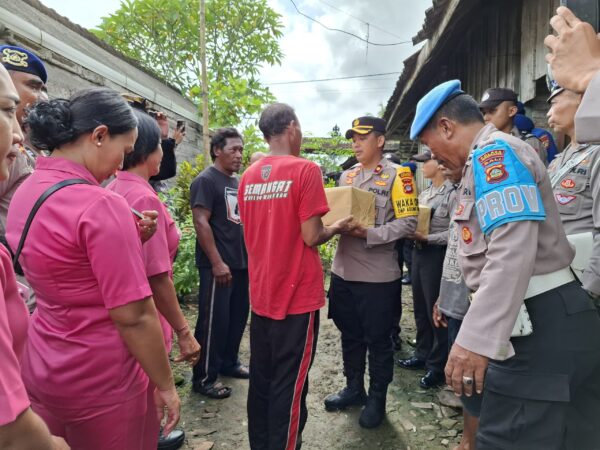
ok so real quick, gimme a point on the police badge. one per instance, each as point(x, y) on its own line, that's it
point(265, 172)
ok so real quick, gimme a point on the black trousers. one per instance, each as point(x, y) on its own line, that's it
point(397, 311)
point(547, 396)
point(432, 342)
point(281, 354)
point(363, 313)
point(222, 318)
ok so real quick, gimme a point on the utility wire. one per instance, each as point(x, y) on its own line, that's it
point(332, 79)
point(359, 19)
point(347, 32)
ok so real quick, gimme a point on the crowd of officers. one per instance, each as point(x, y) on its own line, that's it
point(503, 315)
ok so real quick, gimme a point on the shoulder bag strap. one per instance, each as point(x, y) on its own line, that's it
point(51, 190)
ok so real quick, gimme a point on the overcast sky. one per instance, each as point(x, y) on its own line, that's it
point(312, 52)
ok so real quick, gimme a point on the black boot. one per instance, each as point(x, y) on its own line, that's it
point(353, 394)
point(373, 413)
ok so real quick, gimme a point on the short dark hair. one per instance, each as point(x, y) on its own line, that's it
point(275, 119)
point(379, 133)
point(57, 122)
point(462, 109)
point(219, 140)
point(147, 140)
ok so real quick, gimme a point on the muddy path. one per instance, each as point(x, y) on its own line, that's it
point(415, 418)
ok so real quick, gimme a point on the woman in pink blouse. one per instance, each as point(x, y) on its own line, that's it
point(20, 427)
point(160, 250)
point(95, 338)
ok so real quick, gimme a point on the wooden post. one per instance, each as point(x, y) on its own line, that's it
point(205, 122)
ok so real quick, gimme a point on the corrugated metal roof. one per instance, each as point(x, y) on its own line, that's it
point(433, 16)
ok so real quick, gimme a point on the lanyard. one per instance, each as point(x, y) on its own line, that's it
point(570, 164)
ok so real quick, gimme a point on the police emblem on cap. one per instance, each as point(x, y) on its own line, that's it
point(485, 97)
point(356, 123)
point(265, 172)
point(15, 57)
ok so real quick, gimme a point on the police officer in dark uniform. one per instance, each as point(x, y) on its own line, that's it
point(365, 278)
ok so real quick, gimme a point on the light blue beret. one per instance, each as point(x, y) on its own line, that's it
point(431, 102)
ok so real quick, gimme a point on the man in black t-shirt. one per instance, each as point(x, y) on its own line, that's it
point(222, 262)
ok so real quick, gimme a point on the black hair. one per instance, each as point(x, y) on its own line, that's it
point(275, 119)
point(219, 140)
point(462, 109)
point(60, 121)
point(147, 140)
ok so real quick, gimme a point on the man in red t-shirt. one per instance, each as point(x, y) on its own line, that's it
point(281, 200)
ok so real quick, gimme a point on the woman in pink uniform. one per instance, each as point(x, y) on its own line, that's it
point(20, 427)
point(160, 250)
point(95, 334)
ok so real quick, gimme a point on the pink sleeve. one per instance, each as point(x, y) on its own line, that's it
point(155, 250)
point(108, 232)
point(312, 194)
point(13, 396)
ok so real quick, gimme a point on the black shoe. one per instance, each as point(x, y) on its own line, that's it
point(432, 379)
point(352, 395)
point(396, 342)
point(406, 280)
point(171, 442)
point(411, 363)
point(373, 413)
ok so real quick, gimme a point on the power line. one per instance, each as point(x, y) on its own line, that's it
point(347, 32)
point(359, 19)
point(332, 79)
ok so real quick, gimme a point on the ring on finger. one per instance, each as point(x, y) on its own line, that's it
point(468, 381)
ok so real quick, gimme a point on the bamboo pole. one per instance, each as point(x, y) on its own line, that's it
point(205, 121)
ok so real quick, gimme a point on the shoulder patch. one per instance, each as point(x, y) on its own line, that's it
point(505, 190)
point(404, 194)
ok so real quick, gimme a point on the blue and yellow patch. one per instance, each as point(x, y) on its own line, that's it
point(505, 190)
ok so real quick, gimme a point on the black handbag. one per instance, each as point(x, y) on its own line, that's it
point(51, 190)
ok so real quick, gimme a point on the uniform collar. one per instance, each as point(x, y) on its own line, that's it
point(515, 132)
point(483, 135)
point(123, 175)
point(67, 166)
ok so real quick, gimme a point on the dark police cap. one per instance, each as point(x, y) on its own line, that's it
point(422, 157)
point(553, 87)
point(365, 125)
point(494, 96)
point(22, 60)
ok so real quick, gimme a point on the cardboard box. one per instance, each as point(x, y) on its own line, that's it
point(424, 219)
point(347, 200)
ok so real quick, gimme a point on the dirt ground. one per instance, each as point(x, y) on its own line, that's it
point(415, 418)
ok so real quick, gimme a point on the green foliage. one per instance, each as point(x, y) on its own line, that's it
point(327, 252)
point(328, 152)
point(185, 274)
point(253, 142)
point(241, 37)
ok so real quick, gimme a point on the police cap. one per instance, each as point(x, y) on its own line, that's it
point(494, 96)
point(365, 125)
point(431, 102)
point(422, 157)
point(22, 60)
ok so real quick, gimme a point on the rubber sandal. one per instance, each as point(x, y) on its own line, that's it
point(241, 372)
point(216, 390)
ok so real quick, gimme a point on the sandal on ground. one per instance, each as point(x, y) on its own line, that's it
point(240, 371)
point(216, 390)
